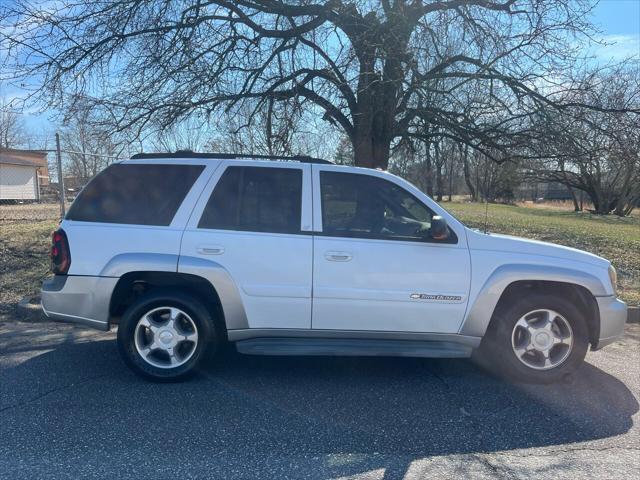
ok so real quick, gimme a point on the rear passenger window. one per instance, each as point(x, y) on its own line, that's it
point(256, 199)
point(145, 194)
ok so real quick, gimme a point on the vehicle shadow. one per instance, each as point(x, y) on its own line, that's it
point(344, 416)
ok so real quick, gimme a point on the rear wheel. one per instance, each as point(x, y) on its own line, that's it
point(538, 339)
point(163, 336)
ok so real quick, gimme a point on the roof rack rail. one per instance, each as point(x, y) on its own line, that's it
point(229, 156)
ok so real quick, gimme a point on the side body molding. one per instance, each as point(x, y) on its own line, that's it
point(479, 314)
point(140, 262)
point(234, 313)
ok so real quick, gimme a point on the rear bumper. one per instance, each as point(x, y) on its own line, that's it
point(613, 316)
point(77, 299)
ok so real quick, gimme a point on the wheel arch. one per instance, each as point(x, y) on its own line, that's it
point(235, 316)
point(207, 278)
point(509, 281)
point(133, 284)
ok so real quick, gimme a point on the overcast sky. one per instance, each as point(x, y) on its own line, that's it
point(619, 21)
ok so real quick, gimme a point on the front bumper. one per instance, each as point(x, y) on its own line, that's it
point(78, 299)
point(613, 316)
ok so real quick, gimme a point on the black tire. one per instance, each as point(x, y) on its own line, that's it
point(206, 346)
point(496, 352)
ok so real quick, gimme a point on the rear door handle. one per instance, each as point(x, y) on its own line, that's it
point(338, 256)
point(210, 250)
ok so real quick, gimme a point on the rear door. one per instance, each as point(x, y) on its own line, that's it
point(375, 266)
point(254, 219)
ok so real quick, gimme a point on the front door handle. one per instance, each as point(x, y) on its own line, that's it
point(210, 250)
point(338, 256)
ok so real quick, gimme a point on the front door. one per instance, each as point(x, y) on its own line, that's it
point(376, 268)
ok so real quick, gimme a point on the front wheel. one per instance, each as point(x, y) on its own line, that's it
point(537, 339)
point(163, 336)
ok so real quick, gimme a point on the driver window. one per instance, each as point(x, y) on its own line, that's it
point(365, 206)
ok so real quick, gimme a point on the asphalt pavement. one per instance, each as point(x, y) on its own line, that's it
point(69, 408)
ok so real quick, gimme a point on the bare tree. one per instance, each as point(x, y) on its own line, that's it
point(88, 149)
point(275, 129)
point(190, 134)
point(489, 180)
point(270, 130)
point(596, 151)
point(12, 130)
point(366, 66)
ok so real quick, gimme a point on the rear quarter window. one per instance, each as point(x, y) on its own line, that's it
point(142, 194)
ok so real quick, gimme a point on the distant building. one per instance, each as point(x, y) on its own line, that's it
point(22, 174)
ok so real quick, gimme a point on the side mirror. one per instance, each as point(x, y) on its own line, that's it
point(439, 229)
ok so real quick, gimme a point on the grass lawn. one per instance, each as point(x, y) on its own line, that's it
point(25, 235)
point(616, 239)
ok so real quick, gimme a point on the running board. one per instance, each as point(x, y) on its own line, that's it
point(352, 347)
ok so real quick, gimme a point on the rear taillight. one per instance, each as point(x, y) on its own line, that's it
point(60, 255)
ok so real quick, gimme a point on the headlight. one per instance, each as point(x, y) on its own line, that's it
point(613, 276)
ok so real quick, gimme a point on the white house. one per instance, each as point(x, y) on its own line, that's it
point(22, 172)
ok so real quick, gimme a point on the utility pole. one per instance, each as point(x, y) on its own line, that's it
point(60, 176)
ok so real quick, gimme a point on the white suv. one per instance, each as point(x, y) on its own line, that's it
point(299, 256)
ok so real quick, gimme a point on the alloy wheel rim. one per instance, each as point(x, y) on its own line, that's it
point(542, 339)
point(166, 337)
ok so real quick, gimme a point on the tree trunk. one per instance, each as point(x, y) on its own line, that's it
point(371, 152)
point(362, 150)
point(373, 118)
point(429, 165)
point(451, 165)
point(633, 203)
point(467, 174)
point(626, 194)
point(478, 184)
point(620, 204)
point(371, 141)
point(576, 206)
point(438, 172)
point(600, 204)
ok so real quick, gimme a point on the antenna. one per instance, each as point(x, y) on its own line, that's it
point(486, 214)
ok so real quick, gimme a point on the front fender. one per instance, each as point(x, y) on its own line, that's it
point(480, 312)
